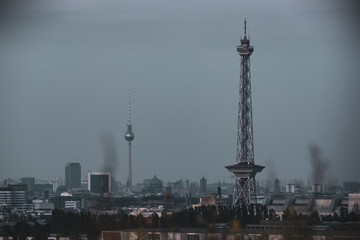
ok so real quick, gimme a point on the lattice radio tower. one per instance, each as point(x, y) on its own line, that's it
point(244, 169)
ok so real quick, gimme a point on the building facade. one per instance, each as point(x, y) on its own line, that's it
point(203, 182)
point(14, 195)
point(73, 175)
point(99, 182)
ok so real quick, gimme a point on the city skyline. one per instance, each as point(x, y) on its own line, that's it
point(66, 68)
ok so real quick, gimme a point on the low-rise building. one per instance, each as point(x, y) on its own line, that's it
point(13, 195)
point(354, 202)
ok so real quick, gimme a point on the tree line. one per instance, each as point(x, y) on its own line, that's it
point(67, 223)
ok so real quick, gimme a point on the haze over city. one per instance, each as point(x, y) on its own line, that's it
point(66, 68)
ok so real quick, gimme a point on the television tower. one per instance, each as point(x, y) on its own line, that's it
point(244, 169)
point(129, 136)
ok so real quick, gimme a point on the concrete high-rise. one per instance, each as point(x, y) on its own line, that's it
point(29, 181)
point(73, 175)
point(203, 182)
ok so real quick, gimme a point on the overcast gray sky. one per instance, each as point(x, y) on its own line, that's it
point(66, 67)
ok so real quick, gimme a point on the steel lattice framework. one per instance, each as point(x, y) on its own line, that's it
point(245, 143)
point(245, 169)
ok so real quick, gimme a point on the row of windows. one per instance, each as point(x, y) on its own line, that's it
point(156, 236)
point(259, 227)
point(193, 237)
point(12, 197)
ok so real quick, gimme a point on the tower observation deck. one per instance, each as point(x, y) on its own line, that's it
point(244, 170)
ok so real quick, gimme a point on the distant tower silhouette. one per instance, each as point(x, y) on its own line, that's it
point(245, 169)
point(203, 182)
point(277, 187)
point(129, 136)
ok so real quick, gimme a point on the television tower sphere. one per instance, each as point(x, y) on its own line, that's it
point(129, 135)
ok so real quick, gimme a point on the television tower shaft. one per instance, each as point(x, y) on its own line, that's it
point(129, 136)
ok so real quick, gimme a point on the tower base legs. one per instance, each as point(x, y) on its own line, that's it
point(244, 191)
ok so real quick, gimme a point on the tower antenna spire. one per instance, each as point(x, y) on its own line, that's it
point(245, 27)
point(129, 121)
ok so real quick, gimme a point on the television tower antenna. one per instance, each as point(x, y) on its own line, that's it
point(244, 170)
